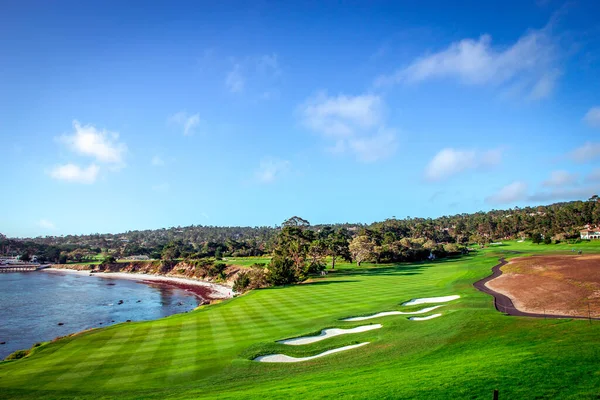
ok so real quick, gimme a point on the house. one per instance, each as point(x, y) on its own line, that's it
point(137, 258)
point(590, 233)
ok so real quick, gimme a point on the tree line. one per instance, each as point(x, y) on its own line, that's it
point(306, 246)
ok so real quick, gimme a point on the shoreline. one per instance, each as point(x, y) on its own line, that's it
point(205, 290)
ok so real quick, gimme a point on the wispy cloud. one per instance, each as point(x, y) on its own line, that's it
point(592, 117)
point(187, 122)
point(511, 193)
point(560, 179)
point(102, 145)
point(75, 174)
point(449, 162)
point(257, 76)
point(271, 169)
point(46, 224)
point(352, 123)
point(235, 80)
point(529, 62)
point(588, 152)
point(157, 161)
point(519, 191)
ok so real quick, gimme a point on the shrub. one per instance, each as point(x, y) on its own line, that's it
point(18, 354)
point(242, 282)
point(109, 260)
point(281, 272)
point(258, 277)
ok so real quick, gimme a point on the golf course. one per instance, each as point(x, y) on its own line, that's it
point(466, 352)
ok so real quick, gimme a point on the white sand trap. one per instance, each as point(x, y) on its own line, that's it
point(386, 313)
point(429, 300)
point(328, 333)
point(425, 318)
point(282, 358)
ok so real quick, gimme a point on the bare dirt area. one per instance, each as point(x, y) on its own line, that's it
point(566, 285)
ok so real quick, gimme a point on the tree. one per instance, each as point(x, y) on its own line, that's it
point(317, 251)
point(362, 249)
point(293, 243)
point(62, 259)
point(25, 256)
point(109, 260)
point(281, 271)
point(536, 238)
point(547, 239)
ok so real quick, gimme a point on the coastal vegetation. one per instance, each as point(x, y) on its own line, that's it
point(556, 222)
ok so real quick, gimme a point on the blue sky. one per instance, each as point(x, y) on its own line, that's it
point(131, 115)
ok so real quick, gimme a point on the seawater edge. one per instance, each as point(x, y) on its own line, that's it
point(212, 291)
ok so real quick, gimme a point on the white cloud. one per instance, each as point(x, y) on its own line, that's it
point(157, 161)
point(161, 187)
point(529, 60)
point(449, 162)
point(588, 152)
point(592, 117)
point(102, 145)
point(354, 123)
point(268, 64)
point(187, 122)
point(235, 80)
point(518, 191)
point(544, 86)
point(46, 224)
point(342, 116)
point(511, 193)
point(376, 147)
point(271, 169)
point(75, 174)
point(560, 178)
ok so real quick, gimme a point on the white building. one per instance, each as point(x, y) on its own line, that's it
point(590, 233)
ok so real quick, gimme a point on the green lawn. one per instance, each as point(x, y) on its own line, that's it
point(464, 354)
point(245, 261)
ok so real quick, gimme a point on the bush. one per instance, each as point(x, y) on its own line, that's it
point(109, 260)
point(281, 272)
point(241, 283)
point(17, 355)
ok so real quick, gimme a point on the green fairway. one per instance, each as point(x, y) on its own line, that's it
point(466, 353)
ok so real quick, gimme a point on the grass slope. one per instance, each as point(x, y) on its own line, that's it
point(466, 353)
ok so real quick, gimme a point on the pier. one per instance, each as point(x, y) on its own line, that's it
point(21, 267)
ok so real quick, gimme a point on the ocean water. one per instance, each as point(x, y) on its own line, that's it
point(33, 304)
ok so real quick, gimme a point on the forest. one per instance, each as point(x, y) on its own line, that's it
point(390, 240)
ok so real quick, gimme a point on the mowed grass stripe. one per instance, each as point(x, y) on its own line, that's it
point(90, 364)
point(60, 359)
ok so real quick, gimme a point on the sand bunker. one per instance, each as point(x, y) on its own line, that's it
point(282, 358)
point(425, 318)
point(328, 333)
point(557, 285)
point(386, 313)
point(430, 300)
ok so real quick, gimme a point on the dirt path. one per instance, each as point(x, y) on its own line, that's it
point(504, 304)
